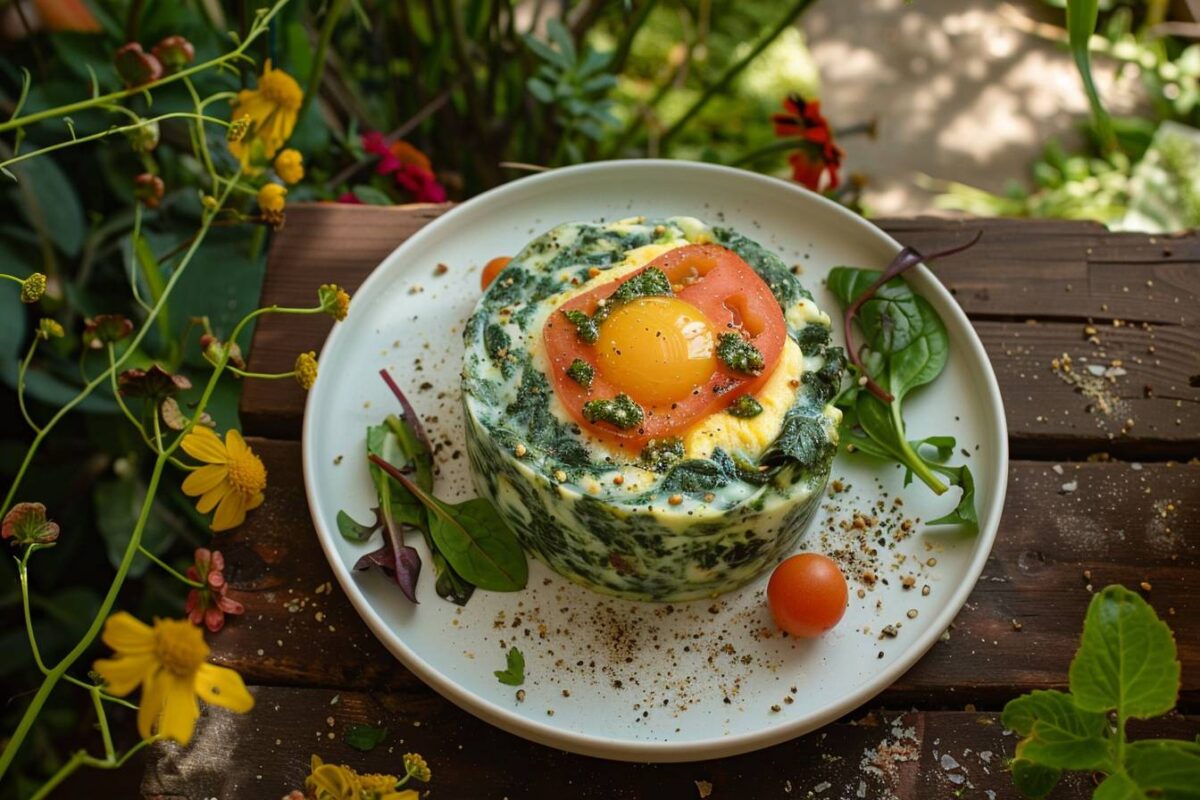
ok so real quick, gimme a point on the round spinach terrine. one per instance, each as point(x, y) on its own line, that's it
point(649, 405)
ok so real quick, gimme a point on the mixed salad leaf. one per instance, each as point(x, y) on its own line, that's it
point(469, 543)
point(905, 347)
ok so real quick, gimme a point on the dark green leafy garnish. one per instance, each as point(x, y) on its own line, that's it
point(471, 535)
point(364, 737)
point(651, 282)
point(620, 412)
point(745, 407)
point(496, 342)
point(906, 347)
point(739, 355)
point(581, 372)
point(513, 673)
point(661, 454)
point(585, 326)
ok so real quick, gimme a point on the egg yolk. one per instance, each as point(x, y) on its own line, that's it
point(656, 349)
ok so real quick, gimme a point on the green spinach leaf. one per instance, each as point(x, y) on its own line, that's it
point(472, 537)
point(907, 347)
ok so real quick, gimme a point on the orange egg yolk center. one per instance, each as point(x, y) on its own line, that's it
point(657, 350)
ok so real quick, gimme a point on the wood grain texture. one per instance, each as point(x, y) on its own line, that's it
point(1030, 289)
point(1120, 523)
point(878, 755)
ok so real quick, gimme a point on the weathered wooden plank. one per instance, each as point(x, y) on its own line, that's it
point(1122, 523)
point(879, 755)
point(1017, 272)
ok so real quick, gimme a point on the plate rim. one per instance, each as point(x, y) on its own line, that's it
point(665, 751)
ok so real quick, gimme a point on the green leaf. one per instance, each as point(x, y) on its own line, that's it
point(514, 673)
point(964, 513)
point(353, 531)
point(944, 445)
point(546, 52)
point(1081, 24)
point(49, 203)
point(561, 37)
point(371, 196)
point(1034, 780)
point(1126, 659)
point(540, 90)
point(1057, 732)
point(478, 544)
point(118, 504)
point(1119, 786)
point(364, 737)
point(1165, 768)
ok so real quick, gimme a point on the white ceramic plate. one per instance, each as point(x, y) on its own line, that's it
point(618, 679)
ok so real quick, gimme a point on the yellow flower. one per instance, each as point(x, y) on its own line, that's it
point(271, 201)
point(415, 765)
point(232, 479)
point(33, 287)
point(340, 782)
point(237, 129)
point(306, 370)
point(170, 663)
point(49, 329)
point(272, 108)
point(334, 300)
point(289, 166)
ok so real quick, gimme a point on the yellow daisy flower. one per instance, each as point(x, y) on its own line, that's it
point(232, 480)
point(170, 662)
point(272, 108)
point(289, 166)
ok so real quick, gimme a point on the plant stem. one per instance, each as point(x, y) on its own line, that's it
point(909, 456)
point(21, 371)
point(169, 569)
point(241, 373)
point(318, 65)
point(58, 670)
point(23, 574)
point(109, 132)
point(720, 84)
point(91, 385)
point(102, 721)
point(81, 105)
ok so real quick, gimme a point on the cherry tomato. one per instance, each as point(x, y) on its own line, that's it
point(491, 270)
point(807, 594)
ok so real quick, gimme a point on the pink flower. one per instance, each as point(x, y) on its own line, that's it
point(349, 197)
point(209, 604)
point(408, 166)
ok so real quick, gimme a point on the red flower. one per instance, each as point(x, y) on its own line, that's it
point(210, 604)
point(817, 154)
point(420, 183)
point(408, 166)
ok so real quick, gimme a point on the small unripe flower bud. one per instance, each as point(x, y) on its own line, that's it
point(148, 189)
point(175, 53)
point(135, 66)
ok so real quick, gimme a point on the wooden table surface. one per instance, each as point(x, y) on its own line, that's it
point(1031, 289)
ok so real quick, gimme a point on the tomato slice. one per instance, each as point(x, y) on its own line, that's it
point(731, 296)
